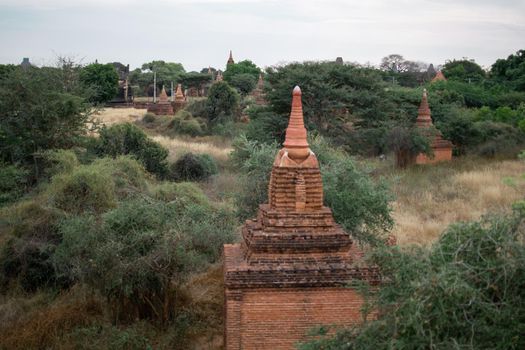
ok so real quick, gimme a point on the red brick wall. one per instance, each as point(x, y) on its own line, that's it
point(440, 155)
point(279, 318)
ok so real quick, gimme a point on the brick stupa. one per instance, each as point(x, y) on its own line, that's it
point(230, 59)
point(258, 92)
point(163, 106)
point(180, 99)
point(438, 77)
point(441, 148)
point(295, 266)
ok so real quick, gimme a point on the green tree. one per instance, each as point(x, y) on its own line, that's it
point(40, 109)
point(166, 73)
point(244, 83)
point(337, 99)
point(101, 79)
point(464, 70)
point(511, 70)
point(222, 101)
point(242, 67)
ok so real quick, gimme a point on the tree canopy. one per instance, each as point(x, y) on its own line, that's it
point(101, 80)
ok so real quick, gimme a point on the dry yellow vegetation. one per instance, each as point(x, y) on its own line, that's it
point(110, 116)
point(429, 198)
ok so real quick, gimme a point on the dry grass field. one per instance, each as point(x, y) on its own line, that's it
point(428, 198)
point(110, 116)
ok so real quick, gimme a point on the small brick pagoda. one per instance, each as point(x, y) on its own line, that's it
point(163, 106)
point(438, 77)
point(441, 148)
point(258, 92)
point(294, 268)
point(180, 99)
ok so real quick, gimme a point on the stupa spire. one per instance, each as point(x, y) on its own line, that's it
point(230, 59)
point(163, 98)
point(179, 96)
point(423, 115)
point(295, 141)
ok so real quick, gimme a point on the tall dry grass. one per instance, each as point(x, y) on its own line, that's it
point(110, 116)
point(178, 146)
point(429, 198)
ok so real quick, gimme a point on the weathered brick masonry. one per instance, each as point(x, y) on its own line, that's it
point(295, 266)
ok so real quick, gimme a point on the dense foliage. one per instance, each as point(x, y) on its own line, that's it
point(101, 80)
point(109, 225)
point(465, 292)
point(40, 109)
point(122, 139)
point(222, 102)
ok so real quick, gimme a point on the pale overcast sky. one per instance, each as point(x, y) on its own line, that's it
point(200, 33)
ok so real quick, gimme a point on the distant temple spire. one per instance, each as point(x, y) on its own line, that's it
point(230, 59)
point(258, 92)
point(25, 63)
point(423, 113)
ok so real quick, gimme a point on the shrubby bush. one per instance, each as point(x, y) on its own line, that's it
point(149, 118)
point(123, 139)
point(184, 123)
point(13, 182)
point(191, 167)
point(138, 253)
point(465, 292)
point(33, 232)
point(222, 102)
point(31, 239)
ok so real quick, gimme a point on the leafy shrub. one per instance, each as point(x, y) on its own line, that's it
point(41, 109)
point(60, 161)
point(197, 108)
point(465, 292)
point(184, 123)
point(84, 189)
point(138, 253)
point(122, 139)
point(222, 101)
point(149, 118)
point(255, 163)
point(33, 235)
point(13, 182)
point(193, 167)
point(265, 126)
